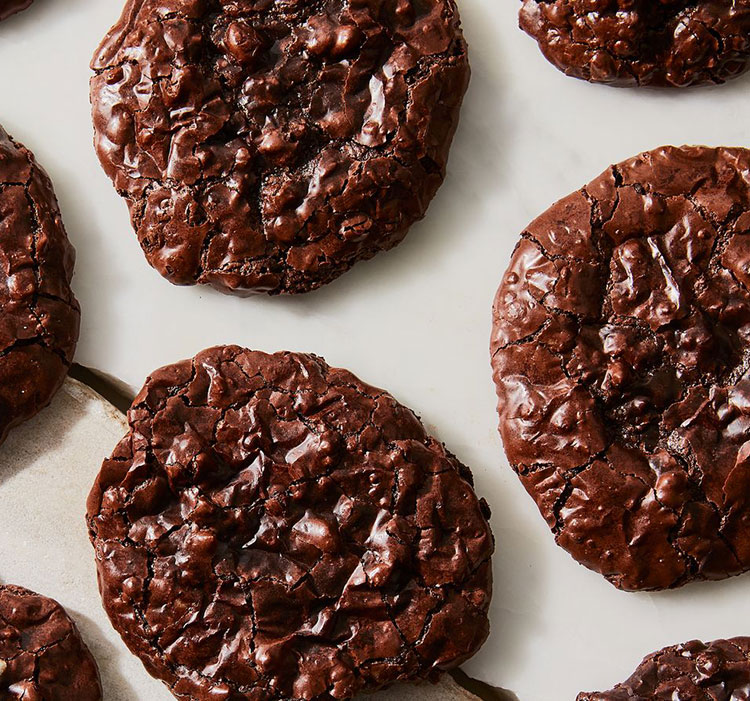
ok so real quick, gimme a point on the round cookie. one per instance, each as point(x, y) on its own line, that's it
point(41, 317)
point(42, 656)
point(274, 528)
point(267, 146)
point(620, 351)
point(669, 43)
point(10, 7)
point(716, 671)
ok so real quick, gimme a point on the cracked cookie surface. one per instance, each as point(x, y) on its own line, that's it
point(668, 43)
point(40, 315)
point(715, 671)
point(10, 7)
point(274, 528)
point(266, 146)
point(42, 656)
point(621, 357)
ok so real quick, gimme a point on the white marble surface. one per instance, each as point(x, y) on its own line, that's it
point(415, 320)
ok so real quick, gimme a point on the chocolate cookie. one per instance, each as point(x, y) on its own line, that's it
point(273, 528)
point(10, 7)
point(717, 671)
point(620, 349)
point(267, 146)
point(42, 656)
point(670, 43)
point(40, 316)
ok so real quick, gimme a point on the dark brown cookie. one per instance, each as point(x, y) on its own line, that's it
point(10, 7)
point(717, 671)
point(42, 656)
point(40, 316)
point(273, 528)
point(620, 351)
point(267, 146)
point(670, 43)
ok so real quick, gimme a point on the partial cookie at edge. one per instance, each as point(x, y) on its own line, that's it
point(42, 655)
point(640, 42)
point(11, 7)
point(41, 317)
point(693, 670)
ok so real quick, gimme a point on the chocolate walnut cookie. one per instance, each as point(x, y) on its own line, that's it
point(40, 315)
point(274, 528)
point(620, 349)
point(42, 656)
point(267, 146)
point(716, 671)
point(671, 43)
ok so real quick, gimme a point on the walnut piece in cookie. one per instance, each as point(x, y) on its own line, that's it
point(668, 43)
point(42, 655)
point(10, 7)
point(621, 356)
point(718, 670)
point(268, 146)
point(40, 315)
point(274, 528)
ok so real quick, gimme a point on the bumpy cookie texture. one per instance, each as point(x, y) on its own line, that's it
point(716, 671)
point(42, 656)
point(40, 316)
point(10, 7)
point(266, 146)
point(669, 43)
point(273, 528)
point(621, 348)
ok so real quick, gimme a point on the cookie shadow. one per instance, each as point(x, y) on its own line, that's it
point(516, 585)
point(115, 684)
point(738, 85)
point(706, 592)
point(519, 573)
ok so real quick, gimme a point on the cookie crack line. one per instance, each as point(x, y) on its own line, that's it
point(274, 528)
point(268, 148)
point(620, 356)
point(41, 316)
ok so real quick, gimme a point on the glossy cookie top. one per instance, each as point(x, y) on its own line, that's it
point(267, 146)
point(716, 671)
point(274, 528)
point(620, 349)
point(671, 43)
point(40, 316)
